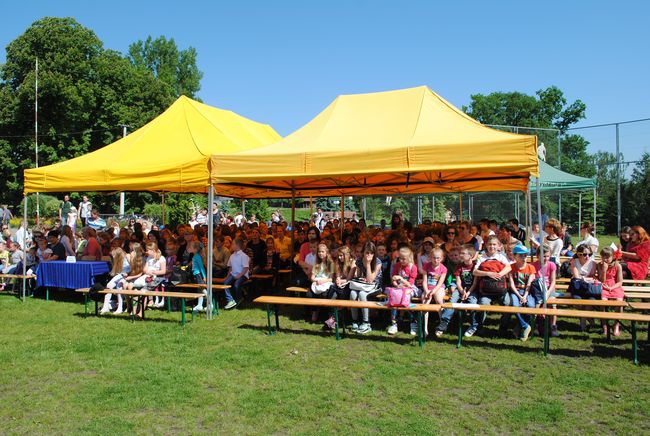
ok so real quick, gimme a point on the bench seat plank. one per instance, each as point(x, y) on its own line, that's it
point(321, 302)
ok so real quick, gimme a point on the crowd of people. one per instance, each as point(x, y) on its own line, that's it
point(482, 262)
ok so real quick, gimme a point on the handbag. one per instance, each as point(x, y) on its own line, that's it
point(399, 297)
point(359, 285)
point(584, 289)
point(179, 275)
point(320, 289)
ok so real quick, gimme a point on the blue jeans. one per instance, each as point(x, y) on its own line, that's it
point(236, 286)
point(486, 300)
point(447, 314)
point(530, 302)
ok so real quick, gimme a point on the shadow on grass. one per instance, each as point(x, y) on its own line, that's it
point(600, 346)
point(402, 340)
point(148, 317)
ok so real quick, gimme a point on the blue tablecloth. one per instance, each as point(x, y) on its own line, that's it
point(60, 274)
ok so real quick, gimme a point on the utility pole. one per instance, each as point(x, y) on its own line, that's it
point(36, 137)
point(124, 133)
point(618, 182)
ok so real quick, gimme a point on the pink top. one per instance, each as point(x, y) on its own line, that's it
point(409, 272)
point(434, 274)
point(93, 248)
point(549, 267)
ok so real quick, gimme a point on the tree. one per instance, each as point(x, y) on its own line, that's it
point(85, 93)
point(177, 68)
point(547, 109)
point(637, 195)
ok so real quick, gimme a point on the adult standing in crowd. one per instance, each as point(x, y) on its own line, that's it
point(85, 209)
point(64, 208)
point(6, 215)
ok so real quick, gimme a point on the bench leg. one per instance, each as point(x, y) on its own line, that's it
point(215, 306)
point(268, 319)
point(547, 321)
point(183, 311)
point(460, 329)
point(47, 294)
point(336, 323)
point(276, 310)
point(169, 305)
point(420, 330)
point(635, 348)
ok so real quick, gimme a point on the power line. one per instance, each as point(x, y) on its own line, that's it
point(58, 134)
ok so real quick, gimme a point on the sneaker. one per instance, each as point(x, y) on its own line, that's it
point(525, 333)
point(103, 311)
point(231, 305)
point(414, 329)
point(470, 332)
point(439, 333)
point(365, 328)
point(160, 305)
point(198, 309)
point(554, 331)
point(392, 329)
point(118, 311)
point(442, 327)
point(354, 327)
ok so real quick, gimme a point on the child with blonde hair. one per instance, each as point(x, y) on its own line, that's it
point(119, 271)
point(322, 277)
point(434, 274)
point(403, 276)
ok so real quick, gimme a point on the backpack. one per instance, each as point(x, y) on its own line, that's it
point(491, 286)
point(399, 297)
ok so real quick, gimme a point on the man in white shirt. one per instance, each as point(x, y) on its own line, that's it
point(238, 266)
point(85, 209)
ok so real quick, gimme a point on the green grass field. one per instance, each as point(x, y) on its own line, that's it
point(64, 374)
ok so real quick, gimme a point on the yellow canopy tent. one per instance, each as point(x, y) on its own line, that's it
point(171, 153)
point(405, 141)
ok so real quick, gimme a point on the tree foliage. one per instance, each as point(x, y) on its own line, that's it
point(177, 68)
point(85, 93)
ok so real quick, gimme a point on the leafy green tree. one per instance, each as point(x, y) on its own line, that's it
point(85, 93)
point(177, 68)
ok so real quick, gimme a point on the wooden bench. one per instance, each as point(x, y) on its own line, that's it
point(135, 293)
point(16, 277)
point(215, 287)
point(272, 303)
point(625, 281)
point(632, 317)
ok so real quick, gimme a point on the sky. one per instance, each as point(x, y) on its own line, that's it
point(282, 62)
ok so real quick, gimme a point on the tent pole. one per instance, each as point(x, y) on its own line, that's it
point(595, 197)
point(529, 207)
point(460, 202)
point(293, 220)
point(559, 207)
point(579, 211)
point(210, 249)
point(24, 248)
point(342, 220)
point(163, 208)
point(433, 208)
point(541, 245)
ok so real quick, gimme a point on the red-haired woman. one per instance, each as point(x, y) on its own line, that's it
point(635, 259)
